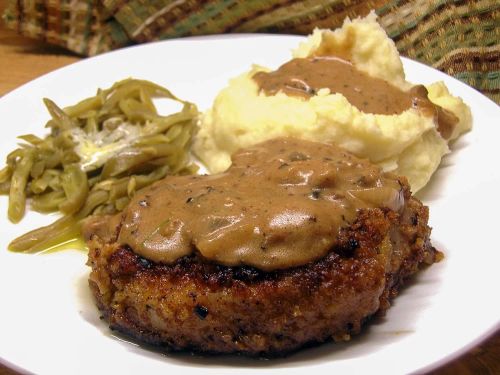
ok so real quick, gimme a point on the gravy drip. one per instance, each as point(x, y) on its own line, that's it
point(303, 77)
point(281, 204)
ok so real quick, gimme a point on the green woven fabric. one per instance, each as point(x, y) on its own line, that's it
point(460, 38)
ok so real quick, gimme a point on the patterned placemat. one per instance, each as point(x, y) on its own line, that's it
point(460, 38)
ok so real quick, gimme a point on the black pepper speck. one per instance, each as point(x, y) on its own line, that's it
point(145, 263)
point(315, 193)
point(201, 311)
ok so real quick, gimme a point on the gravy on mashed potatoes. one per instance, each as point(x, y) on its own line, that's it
point(345, 87)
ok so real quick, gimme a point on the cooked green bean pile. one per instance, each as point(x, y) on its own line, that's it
point(98, 153)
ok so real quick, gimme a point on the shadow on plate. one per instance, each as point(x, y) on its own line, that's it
point(436, 186)
point(378, 333)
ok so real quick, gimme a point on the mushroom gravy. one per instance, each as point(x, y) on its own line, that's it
point(281, 204)
point(304, 77)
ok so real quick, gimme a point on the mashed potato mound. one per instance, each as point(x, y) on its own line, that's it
point(407, 143)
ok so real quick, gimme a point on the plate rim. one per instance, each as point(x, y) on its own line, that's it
point(216, 37)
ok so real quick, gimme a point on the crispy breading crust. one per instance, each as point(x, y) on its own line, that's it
point(204, 307)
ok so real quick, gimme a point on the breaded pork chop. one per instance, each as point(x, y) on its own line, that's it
point(199, 304)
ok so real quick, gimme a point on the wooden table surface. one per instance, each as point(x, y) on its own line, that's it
point(22, 60)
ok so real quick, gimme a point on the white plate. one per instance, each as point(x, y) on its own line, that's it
point(48, 322)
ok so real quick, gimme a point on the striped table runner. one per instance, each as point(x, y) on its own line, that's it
point(460, 38)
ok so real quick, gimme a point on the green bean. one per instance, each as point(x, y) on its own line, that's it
point(145, 180)
point(165, 149)
point(59, 118)
point(152, 164)
point(62, 230)
point(119, 189)
point(105, 209)
point(136, 111)
point(175, 159)
point(158, 91)
point(64, 140)
point(121, 203)
point(52, 171)
point(70, 156)
point(127, 186)
point(164, 123)
point(53, 159)
point(14, 156)
point(114, 122)
point(94, 199)
point(118, 93)
point(188, 169)
point(55, 182)
point(91, 125)
point(148, 102)
point(30, 138)
point(174, 132)
point(86, 115)
point(182, 139)
point(131, 87)
point(48, 202)
point(75, 185)
point(5, 174)
point(37, 169)
point(84, 106)
point(94, 180)
point(17, 193)
point(126, 160)
point(131, 186)
point(40, 184)
point(151, 140)
point(4, 187)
